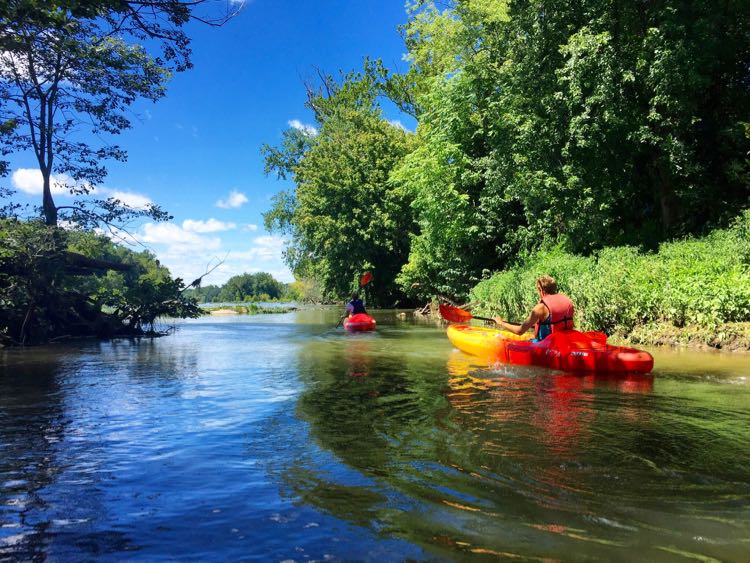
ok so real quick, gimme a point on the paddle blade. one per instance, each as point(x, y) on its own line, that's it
point(454, 314)
point(365, 279)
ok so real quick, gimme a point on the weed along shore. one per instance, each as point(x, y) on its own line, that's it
point(693, 292)
point(249, 309)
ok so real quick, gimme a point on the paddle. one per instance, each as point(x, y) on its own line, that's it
point(363, 281)
point(456, 315)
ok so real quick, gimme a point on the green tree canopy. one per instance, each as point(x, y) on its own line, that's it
point(344, 217)
point(245, 287)
point(591, 124)
point(69, 67)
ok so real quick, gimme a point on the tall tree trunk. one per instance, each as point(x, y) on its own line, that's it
point(48, 204)
point(667, 203)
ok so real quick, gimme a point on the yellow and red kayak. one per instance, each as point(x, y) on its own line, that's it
point(568, 350)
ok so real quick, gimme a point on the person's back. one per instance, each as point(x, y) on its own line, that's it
point(553, 313)
point(355, 306)
point(560, 315)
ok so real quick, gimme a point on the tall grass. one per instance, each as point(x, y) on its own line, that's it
point(697, 281)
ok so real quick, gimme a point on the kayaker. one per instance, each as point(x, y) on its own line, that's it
point(355, 306)
point(554, 312)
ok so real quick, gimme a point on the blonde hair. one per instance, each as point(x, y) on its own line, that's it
point(547, 284)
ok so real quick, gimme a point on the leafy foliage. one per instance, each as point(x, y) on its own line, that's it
point(543, 123)
point(696, 281)
point(69, 66)
point(545, 128)
point(47, 291)
point(344, 217)
point(251, 287)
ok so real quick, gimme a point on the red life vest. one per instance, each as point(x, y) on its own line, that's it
point(560, 314)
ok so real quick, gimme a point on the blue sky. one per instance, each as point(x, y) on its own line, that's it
point(196, 151)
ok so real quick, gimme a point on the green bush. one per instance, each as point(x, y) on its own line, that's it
point(56, 283)
point(702, 282)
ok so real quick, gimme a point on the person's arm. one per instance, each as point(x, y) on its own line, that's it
point(537, 314)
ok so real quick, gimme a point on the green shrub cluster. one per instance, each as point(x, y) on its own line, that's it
point(57, 283)
point(249, 309)
point(696, 281)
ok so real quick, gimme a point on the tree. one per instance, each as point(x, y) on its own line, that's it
point(44, 295)
point(344, 216)
point(246, 287)
point(68, 67)
point(543, 123)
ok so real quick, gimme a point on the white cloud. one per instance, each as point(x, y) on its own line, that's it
point(188, 255)
point(264, 249)
point(250, 227)
point(30, 181)
point(264, 255)
point(235, 199)
point(131, 199)
point(307, 129)
point(210, 226)
point(177, 239)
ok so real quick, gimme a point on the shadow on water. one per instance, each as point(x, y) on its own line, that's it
point(466, 459)
point(32, 422)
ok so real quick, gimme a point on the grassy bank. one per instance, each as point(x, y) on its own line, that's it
point(691, 292)
point(249, 309)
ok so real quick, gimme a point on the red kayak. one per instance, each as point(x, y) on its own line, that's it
point(567, 350)
point(359, 323)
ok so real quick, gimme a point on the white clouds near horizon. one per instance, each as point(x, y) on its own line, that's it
point(234, 200)
point(189, 254)
point(176, 238)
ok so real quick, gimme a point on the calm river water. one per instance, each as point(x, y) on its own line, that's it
point(276, 437)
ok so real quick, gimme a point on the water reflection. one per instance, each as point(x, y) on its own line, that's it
point(32, 423)
point(560, 406)
point(279, 437)
point(466, 458)
point(358, 355)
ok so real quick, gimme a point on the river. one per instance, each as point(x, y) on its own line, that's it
point(277, 437)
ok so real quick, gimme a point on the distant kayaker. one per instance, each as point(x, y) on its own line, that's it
point(355, 306)
point(554, 312)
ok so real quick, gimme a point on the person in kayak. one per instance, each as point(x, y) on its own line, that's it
point(355, 306)
point(553, 313)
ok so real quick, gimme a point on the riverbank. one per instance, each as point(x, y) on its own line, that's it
point(693, 292)
point(250, 309)
point(730, 337)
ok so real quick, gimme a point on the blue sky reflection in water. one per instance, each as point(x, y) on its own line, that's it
point(276, 437)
